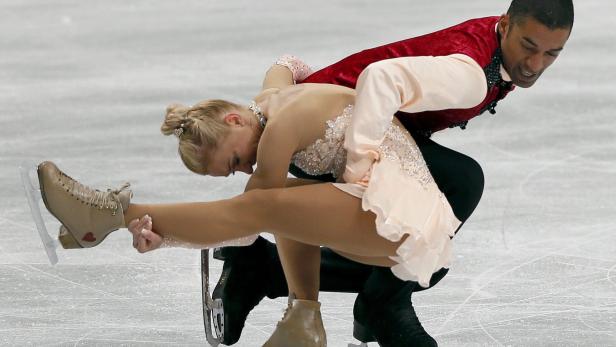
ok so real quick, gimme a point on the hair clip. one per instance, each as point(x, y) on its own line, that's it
point(179, 131)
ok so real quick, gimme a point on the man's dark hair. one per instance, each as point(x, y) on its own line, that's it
point(554, 14)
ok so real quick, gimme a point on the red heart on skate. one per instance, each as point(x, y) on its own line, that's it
point(89, 237)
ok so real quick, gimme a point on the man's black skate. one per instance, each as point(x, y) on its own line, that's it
point(242, 285)
point(384, 313)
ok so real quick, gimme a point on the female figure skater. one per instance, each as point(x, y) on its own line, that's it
point(386, 209)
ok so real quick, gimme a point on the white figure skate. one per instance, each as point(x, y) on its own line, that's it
point(29, 180)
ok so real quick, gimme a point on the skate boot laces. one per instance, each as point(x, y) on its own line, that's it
point(93, 197)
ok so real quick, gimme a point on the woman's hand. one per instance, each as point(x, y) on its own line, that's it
point(144, 239)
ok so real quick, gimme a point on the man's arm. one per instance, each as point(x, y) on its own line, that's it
point(277, 77)
point(286, 71)
point(410, 84)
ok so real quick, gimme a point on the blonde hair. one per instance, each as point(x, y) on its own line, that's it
point(202, 127)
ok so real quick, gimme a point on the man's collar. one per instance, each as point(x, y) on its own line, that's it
point(504, 75)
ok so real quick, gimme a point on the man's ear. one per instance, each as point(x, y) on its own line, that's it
point(504, 25)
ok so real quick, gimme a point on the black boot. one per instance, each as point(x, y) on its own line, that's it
point(253, 272)
point(242, 285)
point(384, 313)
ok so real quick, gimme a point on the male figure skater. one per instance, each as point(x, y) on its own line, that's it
point(511, 50)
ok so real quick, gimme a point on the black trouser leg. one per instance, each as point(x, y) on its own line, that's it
point(457, 175)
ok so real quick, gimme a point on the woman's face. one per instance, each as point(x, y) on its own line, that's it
point(237, 151)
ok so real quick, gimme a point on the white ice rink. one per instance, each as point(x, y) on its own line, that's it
point(86, 83)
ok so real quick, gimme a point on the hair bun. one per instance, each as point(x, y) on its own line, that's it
point(174, 119)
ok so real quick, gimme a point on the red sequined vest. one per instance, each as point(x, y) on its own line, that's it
point(475, 38)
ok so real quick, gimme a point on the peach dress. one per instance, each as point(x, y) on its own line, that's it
point(381, 162)
point(400, 191)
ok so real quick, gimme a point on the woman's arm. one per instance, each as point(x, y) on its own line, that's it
point(410, 84)
point(280, 139)
point(278, 143)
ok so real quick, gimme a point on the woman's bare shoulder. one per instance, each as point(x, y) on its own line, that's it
point(265, 93)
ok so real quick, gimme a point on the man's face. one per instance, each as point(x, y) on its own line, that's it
point(529, 48)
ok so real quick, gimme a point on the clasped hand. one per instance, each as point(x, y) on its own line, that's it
point(144, 239)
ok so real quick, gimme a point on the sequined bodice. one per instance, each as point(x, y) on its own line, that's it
point(328, 156)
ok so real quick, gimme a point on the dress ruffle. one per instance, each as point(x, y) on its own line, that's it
point(406, 206)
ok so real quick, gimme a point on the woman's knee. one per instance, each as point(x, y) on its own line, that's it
point(257, 202)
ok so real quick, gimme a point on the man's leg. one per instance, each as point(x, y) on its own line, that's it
point(252, 272)
point(383, 310)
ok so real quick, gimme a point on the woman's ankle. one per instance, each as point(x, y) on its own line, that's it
point(134, 211)
point(304, 295)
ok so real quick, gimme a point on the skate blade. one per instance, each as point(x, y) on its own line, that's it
point(213, 313)
point(29, 181)
point(218, 316)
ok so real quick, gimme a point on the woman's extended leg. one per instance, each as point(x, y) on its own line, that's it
point(318, 214)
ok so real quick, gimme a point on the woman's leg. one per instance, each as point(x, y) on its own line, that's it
point(377, 261)
point(300, 262)
point(317, 214)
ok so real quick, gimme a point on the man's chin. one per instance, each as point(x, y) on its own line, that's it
point(523, 83)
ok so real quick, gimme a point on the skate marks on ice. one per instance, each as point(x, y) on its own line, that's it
point(571, 239)
point(535, 264)
point(551, 265)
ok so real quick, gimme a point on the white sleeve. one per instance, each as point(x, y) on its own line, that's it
point(409, 84)
point(299, 69)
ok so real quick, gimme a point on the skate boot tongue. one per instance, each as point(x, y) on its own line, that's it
point(124, 195)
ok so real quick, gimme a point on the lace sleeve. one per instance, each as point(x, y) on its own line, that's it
point(299, 69)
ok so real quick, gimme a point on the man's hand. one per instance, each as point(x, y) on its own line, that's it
point(144, 239)
point(359, 170)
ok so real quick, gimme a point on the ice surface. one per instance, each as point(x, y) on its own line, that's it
point(86, 83)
